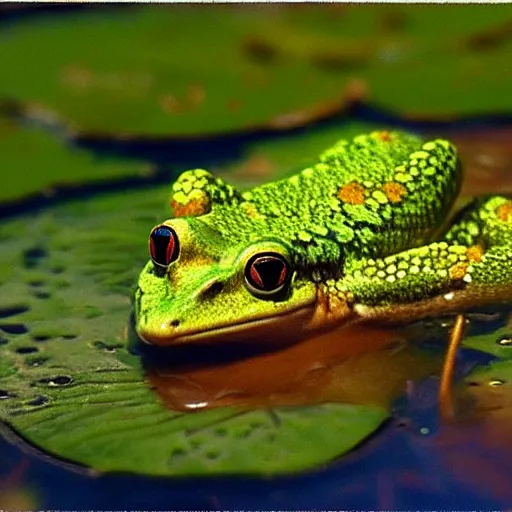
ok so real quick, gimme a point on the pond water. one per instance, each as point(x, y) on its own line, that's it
point(414, 461)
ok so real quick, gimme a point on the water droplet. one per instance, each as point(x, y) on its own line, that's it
point(14, 328)
point(35, 361)
point(33, 257)
point(26, 350)
point(505, 341)
point(196, 405)
point(41, 337)
point(424, 431)
point(39, 400)
point(496, 382)
point(59, 380)
point(178, 452)
point(40, 294)
point(212, 455)
point(12, 311)
point(110, 348)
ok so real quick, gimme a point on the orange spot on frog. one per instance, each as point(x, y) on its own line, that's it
point(394, 191)
point(352, 193)
point(474, 254)
point(384, 136)
point(504, 211)
point(458, 271)
point(193, 208)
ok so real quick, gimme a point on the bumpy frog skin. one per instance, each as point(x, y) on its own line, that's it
point(369, 232)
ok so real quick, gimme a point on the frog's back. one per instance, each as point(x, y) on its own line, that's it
point(375, 195)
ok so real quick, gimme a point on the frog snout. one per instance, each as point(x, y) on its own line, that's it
point(160, 333)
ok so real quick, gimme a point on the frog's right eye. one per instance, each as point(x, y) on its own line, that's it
point(164, 246)
point(267, 273)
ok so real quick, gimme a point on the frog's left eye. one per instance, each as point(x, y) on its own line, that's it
point(267, 273)
point(164, 246)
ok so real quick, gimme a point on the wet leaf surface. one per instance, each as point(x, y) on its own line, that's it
point(34, 162)
point(498, 343)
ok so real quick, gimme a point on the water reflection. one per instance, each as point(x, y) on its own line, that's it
point(355, 364)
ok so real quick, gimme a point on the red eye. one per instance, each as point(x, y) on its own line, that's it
point(164, 246)
point(267, 273)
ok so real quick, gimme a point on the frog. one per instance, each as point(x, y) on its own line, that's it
point(373, 231)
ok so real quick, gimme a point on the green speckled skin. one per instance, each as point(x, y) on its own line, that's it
point(365, 230)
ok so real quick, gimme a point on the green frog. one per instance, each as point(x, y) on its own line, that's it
point(368, 233)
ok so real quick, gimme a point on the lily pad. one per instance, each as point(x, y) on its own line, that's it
point(35, 161)
point(498, 343)
point(170, 71)
point(70, 387)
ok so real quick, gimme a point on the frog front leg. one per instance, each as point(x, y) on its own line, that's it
point(471, 266)
point(408, 276)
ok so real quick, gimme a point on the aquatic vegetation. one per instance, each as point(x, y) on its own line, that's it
point(280, 67)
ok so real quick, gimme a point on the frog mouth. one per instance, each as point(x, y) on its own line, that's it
point(286, 326)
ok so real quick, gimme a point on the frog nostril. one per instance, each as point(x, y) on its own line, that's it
point(212, 290)
point(175, 323)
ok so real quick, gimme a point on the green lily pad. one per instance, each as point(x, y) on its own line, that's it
point(69, 386)
point(171, 71)
point(34, 161)
point(498, 343)
point(490, 387)
point(497, 375)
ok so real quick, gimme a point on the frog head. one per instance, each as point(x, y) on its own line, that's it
point(197, 287)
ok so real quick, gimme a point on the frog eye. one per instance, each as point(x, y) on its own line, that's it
point(267, 273)
point(164, 246)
